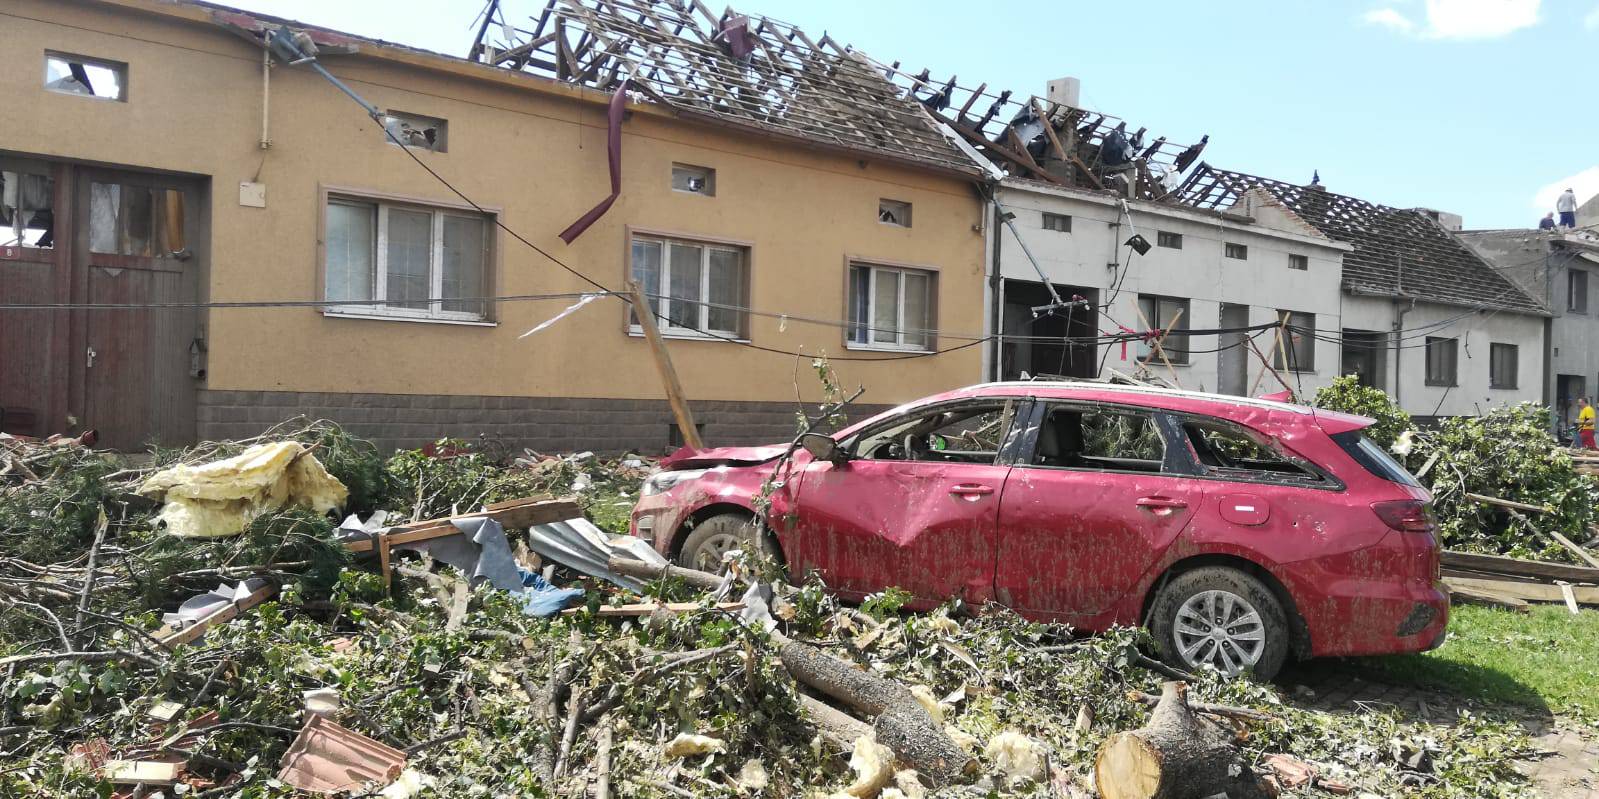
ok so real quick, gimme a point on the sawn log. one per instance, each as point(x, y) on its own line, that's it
point(1177, 755)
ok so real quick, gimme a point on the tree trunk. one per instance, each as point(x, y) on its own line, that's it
point(1177, 755)
point(902, 724)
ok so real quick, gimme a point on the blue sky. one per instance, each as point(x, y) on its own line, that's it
point(1479, 107)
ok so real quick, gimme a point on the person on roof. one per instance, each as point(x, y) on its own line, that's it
point(1585, 424)
point(1567, 206)
point(1548, 221)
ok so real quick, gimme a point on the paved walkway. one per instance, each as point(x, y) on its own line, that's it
point(1569, 771)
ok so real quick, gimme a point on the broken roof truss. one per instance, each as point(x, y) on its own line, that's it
point(1398, 251)
point(752, 72)
point(1052, 142)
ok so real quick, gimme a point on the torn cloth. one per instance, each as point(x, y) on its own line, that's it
point(613, 148)
point(542, 599)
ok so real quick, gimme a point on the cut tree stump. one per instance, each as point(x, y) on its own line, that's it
point(1177, 755)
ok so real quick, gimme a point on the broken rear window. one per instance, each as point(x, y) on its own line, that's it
point(86, 77)
point(27, 210)
point(1226, 450)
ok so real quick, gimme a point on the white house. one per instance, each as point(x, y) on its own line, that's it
point(1424, 317)
point(1203, 270)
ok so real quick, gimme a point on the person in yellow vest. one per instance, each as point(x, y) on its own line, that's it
point(1585, 424)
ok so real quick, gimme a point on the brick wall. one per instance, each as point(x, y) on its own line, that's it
point(545, 424)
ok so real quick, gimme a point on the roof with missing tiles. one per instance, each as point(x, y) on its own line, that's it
point(1398, 252)
point(748, 72)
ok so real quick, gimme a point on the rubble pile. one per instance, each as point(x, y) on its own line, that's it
point(352, 653)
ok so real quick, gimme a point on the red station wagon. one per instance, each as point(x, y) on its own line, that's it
point(1239, 531)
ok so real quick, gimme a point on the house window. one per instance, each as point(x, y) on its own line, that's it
point(1238, 251)
point(1059, 223)
point(27, 210)
point(891, 308)
point(1164, 313)
point(406, 261)
point(694, 287)
point(1442, 359)
point(1300, 262)
point(1577, 291)
point(415, 130)
point(894, 212)
point(86, 77)
point(1502, 365)
point(694, 179)
point(1166, 238)
point(136, 220)
point(1299, 339)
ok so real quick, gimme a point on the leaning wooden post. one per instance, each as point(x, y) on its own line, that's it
point(1160, 351)
point(663, 362)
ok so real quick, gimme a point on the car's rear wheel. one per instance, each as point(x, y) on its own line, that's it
point(716, 536)
point(1222, 618)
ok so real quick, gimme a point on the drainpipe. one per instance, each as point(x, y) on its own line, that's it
point(996, 284)
point(1399, 325)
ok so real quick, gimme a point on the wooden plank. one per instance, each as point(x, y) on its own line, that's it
point(1162, 337)
point(1477, 596)
point(1499, 564)
point(646, 608)
point(1505, 503)
point(514, 514)
point(663, 363)
point(147, 772)
point(1582, 554)
point(168, 638)
point(1532, 592)
point(1049, 130)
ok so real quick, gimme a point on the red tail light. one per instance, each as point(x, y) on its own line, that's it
point(1406, 515)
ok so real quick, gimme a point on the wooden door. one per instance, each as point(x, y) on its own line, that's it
point(34, 270)
point(136, 248)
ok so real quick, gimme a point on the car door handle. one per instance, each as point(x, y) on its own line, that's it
point(971, 490)
point(1160, 503)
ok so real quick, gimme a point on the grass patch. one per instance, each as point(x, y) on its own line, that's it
point(1546, 659)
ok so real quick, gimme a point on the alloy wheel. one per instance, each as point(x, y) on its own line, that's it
point(1219, 629)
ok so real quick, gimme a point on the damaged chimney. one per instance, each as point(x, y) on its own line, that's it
point(1447, 220)
point(1064, 91)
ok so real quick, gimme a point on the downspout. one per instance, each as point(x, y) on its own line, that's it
point(1399, 326)
point(996, 284)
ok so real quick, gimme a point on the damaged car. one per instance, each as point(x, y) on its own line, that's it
point(1238, 531)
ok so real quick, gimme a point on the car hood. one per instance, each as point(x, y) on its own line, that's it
point(690, 458)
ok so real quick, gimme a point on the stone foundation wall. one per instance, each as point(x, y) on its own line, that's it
point(544, 424)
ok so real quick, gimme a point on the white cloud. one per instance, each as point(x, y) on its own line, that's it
point(1591, 22)
point(1465, 19)
point(1390, 19)
point(1584, 183)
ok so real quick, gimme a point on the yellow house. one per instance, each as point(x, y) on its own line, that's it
point(199, 240)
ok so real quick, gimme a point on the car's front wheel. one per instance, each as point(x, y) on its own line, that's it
point(714, 537)
point(1222, 618)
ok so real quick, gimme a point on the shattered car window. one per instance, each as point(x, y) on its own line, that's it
point(966, 434)
point(1223, 448)
point(1102, 439)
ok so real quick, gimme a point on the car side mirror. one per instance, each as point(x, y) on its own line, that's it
point(822, 448)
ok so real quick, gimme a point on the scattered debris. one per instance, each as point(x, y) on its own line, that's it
point(219, 498)
point(326, 758)
point(308, 656)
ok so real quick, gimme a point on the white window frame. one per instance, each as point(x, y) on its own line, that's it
point(704, 331)
point(435, 311)
point(899, 344)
